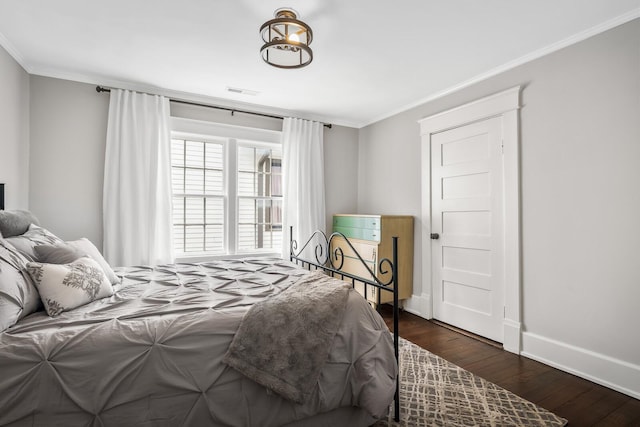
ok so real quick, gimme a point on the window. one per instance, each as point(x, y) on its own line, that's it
point(259, 198)
point(227, 189)
point(197, 176)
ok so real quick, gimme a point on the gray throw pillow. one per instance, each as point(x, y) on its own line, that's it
point(18, 295)
point(86, 246)
point(15, 223)
point(57, 254)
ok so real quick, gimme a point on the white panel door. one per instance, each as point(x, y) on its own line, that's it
point(467, 214)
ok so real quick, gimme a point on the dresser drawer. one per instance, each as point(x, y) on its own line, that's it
point(368, 222)
point(359, 233)
point(366, 250)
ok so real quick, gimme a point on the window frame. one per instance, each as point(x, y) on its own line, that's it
point(231, 137)
point(224, 196)
point(238, 196)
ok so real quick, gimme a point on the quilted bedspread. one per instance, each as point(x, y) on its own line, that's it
point(151, 355)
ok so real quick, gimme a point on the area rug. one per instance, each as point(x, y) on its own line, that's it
point(435, 392)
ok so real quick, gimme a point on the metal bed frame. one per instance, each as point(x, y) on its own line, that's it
point(332, 261)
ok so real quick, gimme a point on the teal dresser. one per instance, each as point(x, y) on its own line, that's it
point(371, 236)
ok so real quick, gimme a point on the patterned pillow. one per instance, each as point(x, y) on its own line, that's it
point(33, 237)
point(18, 295)
point(64, 287)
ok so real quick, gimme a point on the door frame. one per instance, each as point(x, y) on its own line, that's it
point(505, 105)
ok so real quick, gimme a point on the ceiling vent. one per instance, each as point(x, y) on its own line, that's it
point(242, 91)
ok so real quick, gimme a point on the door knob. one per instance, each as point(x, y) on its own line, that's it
point(435, 236)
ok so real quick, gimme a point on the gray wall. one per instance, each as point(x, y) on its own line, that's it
point(66, 167)
point(68, 134)
point(340, 171)
point(14, 132)
point(580, 175)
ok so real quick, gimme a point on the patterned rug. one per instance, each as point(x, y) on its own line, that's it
point(435, 392)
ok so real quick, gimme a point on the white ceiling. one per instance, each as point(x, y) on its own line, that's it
point(372, 58)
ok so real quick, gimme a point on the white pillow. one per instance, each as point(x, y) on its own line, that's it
point(63, 287)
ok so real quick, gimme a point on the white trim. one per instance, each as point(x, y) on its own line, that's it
point(599, 368)
point(512, 332)
point(505, 105)
point(554, 47)
point(490, 106)
point(211, 129)
point(15, 54)
point(420, 305)
point(207, 258)
point(231, 205)
point(512, 244)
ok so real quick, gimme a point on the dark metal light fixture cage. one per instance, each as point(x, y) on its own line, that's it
point(286, 40)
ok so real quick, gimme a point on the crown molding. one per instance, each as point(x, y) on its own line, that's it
point(15, 53)
point(576, 38)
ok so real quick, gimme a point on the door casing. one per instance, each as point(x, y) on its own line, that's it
point(505, 105)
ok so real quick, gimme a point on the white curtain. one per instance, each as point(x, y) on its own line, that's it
point(303, 177)
point(137, 180)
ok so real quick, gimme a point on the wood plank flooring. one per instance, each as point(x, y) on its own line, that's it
point(581, 402)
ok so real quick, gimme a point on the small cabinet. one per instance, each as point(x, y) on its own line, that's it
point(372, 237)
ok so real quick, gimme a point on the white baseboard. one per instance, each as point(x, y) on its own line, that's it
point(420, 305)
point(599, 368)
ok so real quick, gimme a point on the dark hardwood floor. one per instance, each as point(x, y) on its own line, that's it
point(581, 402)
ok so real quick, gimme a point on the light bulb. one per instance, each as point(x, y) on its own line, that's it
point(294, 38)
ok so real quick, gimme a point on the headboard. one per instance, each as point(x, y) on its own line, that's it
point(1, 197)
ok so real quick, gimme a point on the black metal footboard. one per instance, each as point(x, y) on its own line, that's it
point(332, 262)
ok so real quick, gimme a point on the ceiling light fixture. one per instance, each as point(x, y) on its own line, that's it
point(286, 40)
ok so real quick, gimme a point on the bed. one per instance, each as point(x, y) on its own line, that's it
point(177, 344)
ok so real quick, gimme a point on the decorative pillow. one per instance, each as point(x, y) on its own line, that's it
point(15, 223)
point(66, 286)
point(84, 245)
point(57, 254)
point(68, 252)
point(33, 237)
point(18, 295)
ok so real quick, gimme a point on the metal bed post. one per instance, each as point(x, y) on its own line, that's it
point(396, 315)
point(291, 243)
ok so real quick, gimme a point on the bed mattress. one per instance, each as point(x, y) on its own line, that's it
point(151, 355)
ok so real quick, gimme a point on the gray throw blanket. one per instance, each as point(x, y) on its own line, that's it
point(283, 342)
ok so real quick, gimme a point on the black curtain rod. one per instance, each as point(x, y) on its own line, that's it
point(233, 110)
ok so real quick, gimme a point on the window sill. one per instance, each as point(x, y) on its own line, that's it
point(206, 258)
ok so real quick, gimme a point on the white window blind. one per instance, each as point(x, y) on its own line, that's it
point(198, 179)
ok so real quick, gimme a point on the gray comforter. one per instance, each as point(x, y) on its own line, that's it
point(151, 355)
